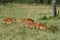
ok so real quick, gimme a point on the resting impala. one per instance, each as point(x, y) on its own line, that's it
point(21, 21)
point(29, 22)
point(8, 20)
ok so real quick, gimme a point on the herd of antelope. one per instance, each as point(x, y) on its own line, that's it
point(28, 23)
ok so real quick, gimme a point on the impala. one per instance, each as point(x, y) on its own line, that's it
point(8, 20)
point(40, 26)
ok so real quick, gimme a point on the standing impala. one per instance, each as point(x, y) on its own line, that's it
point(40, 26)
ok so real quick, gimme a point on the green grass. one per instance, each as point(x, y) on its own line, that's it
point(37, 12)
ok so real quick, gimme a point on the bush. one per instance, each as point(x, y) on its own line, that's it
point(44, 18)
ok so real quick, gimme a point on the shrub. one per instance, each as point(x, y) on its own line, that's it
point(44, 18)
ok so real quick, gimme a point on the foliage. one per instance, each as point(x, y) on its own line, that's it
point(31, 1)
point(44, 18)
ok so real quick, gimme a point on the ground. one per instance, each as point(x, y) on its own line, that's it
point(40, 13)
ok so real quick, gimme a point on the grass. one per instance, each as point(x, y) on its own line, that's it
point(37, 12)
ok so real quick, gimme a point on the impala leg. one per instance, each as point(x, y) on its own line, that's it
point(44, 29)
point(37, 29)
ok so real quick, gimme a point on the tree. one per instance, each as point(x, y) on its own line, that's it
point(47, 2)
point(54, 8)
point(38, 1)
point(4, 2)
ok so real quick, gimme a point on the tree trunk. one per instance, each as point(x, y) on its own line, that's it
point(54, 8)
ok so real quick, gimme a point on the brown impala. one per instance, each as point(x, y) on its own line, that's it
point(8, 20)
